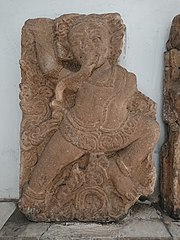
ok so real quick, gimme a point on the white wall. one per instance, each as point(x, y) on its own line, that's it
point(147, 23)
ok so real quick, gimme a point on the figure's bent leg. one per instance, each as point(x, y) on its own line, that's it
point(140, 144)
point(57, 154)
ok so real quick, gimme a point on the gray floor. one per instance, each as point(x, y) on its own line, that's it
point(6, 210)
point(143, 222)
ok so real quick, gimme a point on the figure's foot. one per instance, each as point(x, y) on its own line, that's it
point(121, 178)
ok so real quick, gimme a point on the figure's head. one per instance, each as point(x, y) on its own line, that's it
point(90, 41)
point(89, 38)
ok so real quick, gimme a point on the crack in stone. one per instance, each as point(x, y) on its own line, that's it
point(45, 231)
point(166, 226)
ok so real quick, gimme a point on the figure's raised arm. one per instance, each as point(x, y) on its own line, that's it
point(42, 37)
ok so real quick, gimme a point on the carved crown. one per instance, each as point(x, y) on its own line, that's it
point(113, 22)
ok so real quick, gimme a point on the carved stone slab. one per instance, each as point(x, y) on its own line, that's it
point(170, 177)
point(87, 133)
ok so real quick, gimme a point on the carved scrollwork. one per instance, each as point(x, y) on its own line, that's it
point(142, 104)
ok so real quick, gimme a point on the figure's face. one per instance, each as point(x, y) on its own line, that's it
point(89, 43)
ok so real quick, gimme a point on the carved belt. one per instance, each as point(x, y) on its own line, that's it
point(98, 140)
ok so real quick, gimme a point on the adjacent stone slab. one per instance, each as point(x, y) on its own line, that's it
point(87, 133)
point(170, 163)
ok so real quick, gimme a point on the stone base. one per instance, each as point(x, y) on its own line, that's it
point(142, 222)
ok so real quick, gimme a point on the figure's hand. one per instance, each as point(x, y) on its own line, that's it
point(61, 86)
point(57, 109)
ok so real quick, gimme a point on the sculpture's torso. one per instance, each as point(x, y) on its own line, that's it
point(97, 121)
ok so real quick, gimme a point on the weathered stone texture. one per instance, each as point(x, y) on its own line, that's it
point(87, 134)
point(170, 176)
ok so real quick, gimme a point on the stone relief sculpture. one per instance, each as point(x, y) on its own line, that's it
point(170, 176)
point(87, 133)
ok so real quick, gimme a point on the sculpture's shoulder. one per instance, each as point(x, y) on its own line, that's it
point(128, 78)
point(123, 72)
point(137, 101)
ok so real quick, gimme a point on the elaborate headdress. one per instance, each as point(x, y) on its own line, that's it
point(113, 21)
